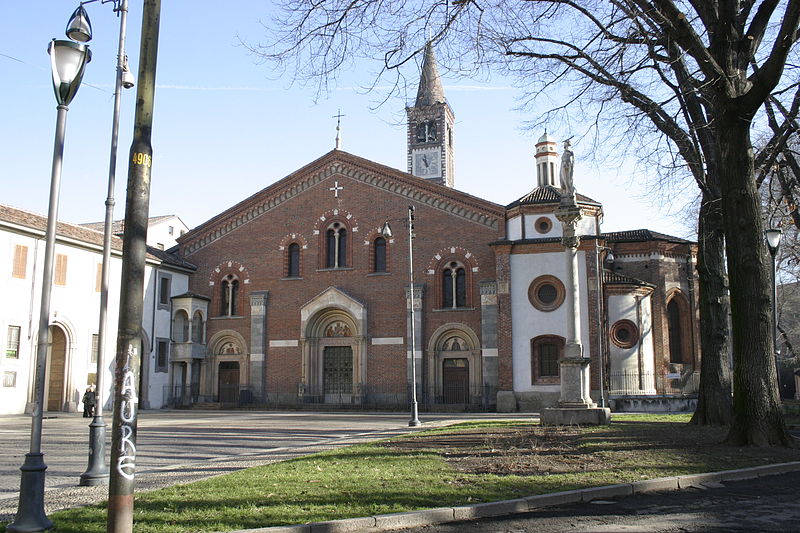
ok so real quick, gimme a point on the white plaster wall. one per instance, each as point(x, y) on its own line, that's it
point(74, 307)
point(528, 322)
point(17, 309)
point(161, 327)
point(623, 307)
point(587, 226)
point(158, 233)
point(648, 349)
point(514, 229)
point(530, 226)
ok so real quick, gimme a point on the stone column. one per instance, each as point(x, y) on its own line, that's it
point(187, 383)
point(576, 405)
point(574, 367)
point(489, 360)
point(258, 344)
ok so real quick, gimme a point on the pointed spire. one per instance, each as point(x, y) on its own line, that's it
point(430, 90)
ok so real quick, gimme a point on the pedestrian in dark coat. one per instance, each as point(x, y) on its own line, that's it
point(89, 398)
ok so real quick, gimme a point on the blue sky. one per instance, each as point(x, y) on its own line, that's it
point(225, 128)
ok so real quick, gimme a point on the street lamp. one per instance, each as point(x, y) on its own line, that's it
point(387, 232)
point(79, 28)
point(773, 236)
point(67, 61)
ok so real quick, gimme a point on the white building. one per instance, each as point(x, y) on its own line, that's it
point(75, 306)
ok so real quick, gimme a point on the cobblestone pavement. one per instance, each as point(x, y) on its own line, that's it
point(181, 446)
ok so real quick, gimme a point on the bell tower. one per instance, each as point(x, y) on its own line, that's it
point(546, 161)
point(430, 128)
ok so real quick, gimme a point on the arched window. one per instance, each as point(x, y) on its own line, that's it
point(293, 268)
point(229, 295)
point(675, 332)
point(454, 286)
point(545, 353)
point(180, 327)
point(197, 327)
point(426, 131)
point(336, 246)
point(379, 255)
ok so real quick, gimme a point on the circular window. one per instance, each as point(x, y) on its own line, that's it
point(543, 225)
point(546, 293)
point(624, 334)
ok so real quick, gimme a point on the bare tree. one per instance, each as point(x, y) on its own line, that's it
point(695, 72)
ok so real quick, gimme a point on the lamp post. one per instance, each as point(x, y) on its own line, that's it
point(773, 236)
point(67, 61)
point(387, 232)
point(79, 28)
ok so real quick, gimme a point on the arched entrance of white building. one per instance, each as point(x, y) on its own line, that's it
point(56, 370)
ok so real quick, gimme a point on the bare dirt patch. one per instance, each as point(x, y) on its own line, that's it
point(525, 451)
point(630, 446)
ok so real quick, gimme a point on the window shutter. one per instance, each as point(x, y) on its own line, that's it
point(61, 270)
point(20, 261)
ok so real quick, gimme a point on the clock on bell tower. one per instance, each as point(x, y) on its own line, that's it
point(430, 128)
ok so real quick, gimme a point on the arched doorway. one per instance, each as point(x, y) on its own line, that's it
point(229, 382)
point(226, 369)
point(56, 369)
point(334, 349)
point(454, 370)
point(334, 371)
point(455, 380)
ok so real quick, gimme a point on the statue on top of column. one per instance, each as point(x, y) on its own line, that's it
point(567, 167)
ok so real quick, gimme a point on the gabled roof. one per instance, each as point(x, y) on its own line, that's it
point(338, 163)
point(191, 295)
point(430, 89)
point(12, 216)
point(642, 235)
point(547, 194)
point(34, 221)
point(170, 258)
point(118, 226)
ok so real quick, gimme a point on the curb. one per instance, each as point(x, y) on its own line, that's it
point(427, 517)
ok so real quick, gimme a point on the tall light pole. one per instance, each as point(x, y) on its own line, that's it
point(773, 236)
point(67, 60)
point(387, 232)
point(79, 28)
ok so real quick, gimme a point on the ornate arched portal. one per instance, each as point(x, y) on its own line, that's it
point(334, 349)
point(454, 370)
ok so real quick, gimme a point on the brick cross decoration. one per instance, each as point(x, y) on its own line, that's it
point(336, 188)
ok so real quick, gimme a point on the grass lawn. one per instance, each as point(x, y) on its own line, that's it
point(462, 464)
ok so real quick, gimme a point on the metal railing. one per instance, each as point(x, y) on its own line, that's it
point(632, 383)
point(364, 397)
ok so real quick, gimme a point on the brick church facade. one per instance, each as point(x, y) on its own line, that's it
point(300, 296)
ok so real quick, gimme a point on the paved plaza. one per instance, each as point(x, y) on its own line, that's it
point(180, 446)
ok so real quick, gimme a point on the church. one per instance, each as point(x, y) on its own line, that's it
point(348, 283)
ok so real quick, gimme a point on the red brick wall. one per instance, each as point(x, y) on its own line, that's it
point(256, 246)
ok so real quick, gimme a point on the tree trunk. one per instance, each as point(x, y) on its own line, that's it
point(758, 419)
point(714, 407)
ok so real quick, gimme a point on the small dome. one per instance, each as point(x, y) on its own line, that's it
point(546, 138)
